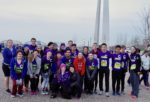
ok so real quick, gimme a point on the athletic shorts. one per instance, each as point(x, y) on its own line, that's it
point(6, 70)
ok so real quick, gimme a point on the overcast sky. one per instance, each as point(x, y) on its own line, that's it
point(61, 20)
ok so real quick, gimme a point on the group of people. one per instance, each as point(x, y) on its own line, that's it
point(70, 72)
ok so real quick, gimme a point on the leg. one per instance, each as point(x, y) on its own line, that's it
point(101, 75)
point(107, 80)
point(14, 88)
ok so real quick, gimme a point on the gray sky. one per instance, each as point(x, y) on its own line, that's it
point(61, 20)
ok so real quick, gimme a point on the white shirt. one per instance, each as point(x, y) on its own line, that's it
point(145, 62)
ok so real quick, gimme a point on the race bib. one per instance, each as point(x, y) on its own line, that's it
point(46, 66)
point(133, 66)
point(122, 64)
point(103, 63)
point(117, 65)
point(34, 67)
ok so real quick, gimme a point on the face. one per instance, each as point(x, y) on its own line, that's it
point(80, 55)
point(35, 53)
point(51, 46)
point(74, 48)
point(39, 49)
point(133, 50)
point(49, 54)
point(26, 49)
point(70, 43)
point(59, 56)
point(62, 47)
point(90, 56)
point(123, 49)
point(71, 69)
point(94, 46)
point(103, 48)
point(146, 54)
point(85, 50)
point(9, 43)
point(19, 55)
point(68, 53)
point(33, 42)
point(55, 46)
point(63, 69)
point(117, 50)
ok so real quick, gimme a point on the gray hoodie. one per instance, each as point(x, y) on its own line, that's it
point(32, 73)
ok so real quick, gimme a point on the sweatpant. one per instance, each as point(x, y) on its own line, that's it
point(16, 88)
point(116, 78)
point(34, 84)
point(134, 80)
point(123, 74)
point(102, 73)
point(145, 77)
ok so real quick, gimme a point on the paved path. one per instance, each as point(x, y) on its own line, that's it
point(4, 97)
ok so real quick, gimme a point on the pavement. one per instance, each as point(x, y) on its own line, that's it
point(144, 95)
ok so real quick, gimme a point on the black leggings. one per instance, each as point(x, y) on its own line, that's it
point(26, 81)
point(116, 78)
point(34, 83)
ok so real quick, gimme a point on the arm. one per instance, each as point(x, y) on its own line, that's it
point(24, 70)
point(38, 66)
point(12, 70)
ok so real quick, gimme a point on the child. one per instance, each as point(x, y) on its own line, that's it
point(18, 70)
point(116, 70)
point(61, 82)
point(79, 65)
point(134, 67)
point(104, 57)
point(91, 70)
point(34, 67)
point(48, 67)
point(75, 83)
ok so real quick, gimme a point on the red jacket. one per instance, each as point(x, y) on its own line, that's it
point(79, 65)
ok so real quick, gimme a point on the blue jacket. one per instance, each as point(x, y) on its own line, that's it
point(8, 55)
point(18, 71)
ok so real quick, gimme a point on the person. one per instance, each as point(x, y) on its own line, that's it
point(33, 45)
point(79, 65)
point(48, 68)
point(145, 59)
point(104, 58)
point(58, 59)
point(95, 51)
point(67, 59)
point(55, 49)
point(74, 50)
point(8, 53)
point(40, 51)
point(27, 77)
point(75, 83)
point(61, 83)
point(124, 69)
point(85, 54)
point(18, 70)
point(91, 70)
point(116, 70)
point(34, 67)
point(62, 48)
point(70, 42)
point(134, 67)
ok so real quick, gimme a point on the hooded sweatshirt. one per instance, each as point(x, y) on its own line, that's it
point(79, 65)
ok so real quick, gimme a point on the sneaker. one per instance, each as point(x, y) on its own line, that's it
point(114, 94)
point(107, 94)
point(35, 93)
point(8, 91)
point(101, 93)
point(134, 97)
point(95, 92)
point(20, 95)
point(43, 92)
point(13, 96)
point(32, 92)
point(117, 93)
point(122, 93)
